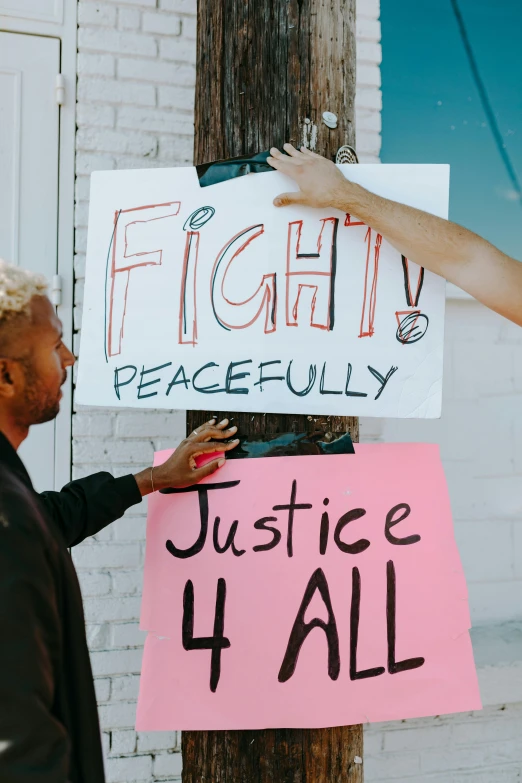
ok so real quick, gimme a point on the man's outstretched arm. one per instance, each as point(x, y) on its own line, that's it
point(445, 248)
point(87, 505)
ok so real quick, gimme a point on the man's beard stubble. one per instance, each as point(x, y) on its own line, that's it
point(40, 405)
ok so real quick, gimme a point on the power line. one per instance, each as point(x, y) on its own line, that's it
point(486, 104)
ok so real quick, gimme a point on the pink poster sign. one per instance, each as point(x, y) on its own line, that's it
point(306, 591)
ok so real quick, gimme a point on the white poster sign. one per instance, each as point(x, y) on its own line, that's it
point(212, 298)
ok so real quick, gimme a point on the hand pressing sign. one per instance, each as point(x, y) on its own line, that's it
point(187, 465)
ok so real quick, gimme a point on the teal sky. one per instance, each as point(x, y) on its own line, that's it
point(432, 111)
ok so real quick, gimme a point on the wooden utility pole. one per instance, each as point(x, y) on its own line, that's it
point(266, 72)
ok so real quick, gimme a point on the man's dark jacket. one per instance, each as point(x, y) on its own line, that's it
point(49, 730)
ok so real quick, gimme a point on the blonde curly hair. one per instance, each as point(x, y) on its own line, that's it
point(17, 288)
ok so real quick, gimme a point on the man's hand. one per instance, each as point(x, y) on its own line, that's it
point(320, 181)
point(180, 469)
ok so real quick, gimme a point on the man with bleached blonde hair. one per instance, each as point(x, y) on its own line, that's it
point(49, 730)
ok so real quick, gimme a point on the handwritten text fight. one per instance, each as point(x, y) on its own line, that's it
point(219, 292)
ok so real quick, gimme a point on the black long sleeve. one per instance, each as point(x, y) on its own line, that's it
point(34, 742)
point(87, 505)
point(49, 730)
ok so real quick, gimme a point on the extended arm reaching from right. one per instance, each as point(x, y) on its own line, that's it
point(445, 248)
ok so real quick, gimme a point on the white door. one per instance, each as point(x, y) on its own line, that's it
point(29, 139)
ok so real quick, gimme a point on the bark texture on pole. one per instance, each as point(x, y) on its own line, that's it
point(273, 756)
point(266, 72)
point(265, 68)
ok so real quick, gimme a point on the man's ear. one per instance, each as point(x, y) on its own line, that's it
point(7, 377)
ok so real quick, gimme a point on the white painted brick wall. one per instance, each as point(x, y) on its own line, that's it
point(135, 109)
point(368, 101)
point(480, 747)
